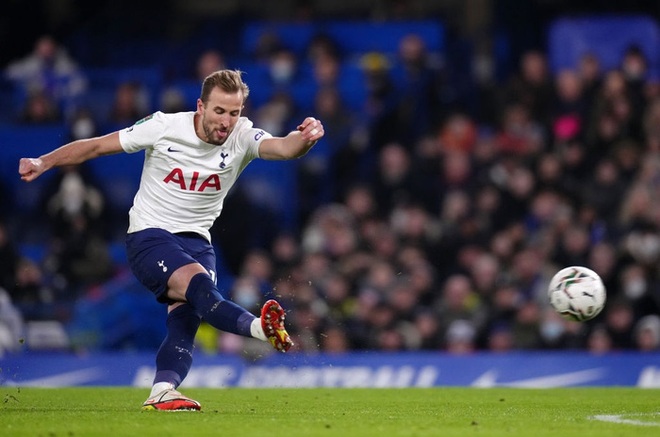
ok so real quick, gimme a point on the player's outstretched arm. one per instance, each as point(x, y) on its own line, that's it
point(72, 153)
point(295, 144)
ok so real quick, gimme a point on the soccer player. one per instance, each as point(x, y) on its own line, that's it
point(192, 159)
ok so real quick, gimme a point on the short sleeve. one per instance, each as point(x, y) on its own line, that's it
point(250, 137)
point(143, 134)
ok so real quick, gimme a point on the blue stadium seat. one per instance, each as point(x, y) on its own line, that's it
point(273, 186)
point(293, 36)
point(605, 36)
point(119, 175)
point(26, 141)
point(361, 37)
point(353, 37)
point(103, 83)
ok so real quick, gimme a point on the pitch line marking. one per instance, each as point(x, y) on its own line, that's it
point(620, 418)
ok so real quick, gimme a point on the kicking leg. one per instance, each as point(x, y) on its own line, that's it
point(200, 291)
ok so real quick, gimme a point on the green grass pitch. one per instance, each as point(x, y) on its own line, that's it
point(100, 411)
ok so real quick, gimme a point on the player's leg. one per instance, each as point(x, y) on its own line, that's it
point(202, 293)
point(153, 255)
point(179, 268)
point(166, 264)
point(173, 361)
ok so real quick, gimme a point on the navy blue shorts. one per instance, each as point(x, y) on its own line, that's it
point(154, 254)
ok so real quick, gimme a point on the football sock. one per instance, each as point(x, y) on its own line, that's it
point(174, 356)
point(159, 387)
point(257, 330)
point(218, 312)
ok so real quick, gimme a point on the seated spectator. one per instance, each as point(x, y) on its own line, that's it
point(519, 133)
point(590, 73)
point(635, 68)
point(49, 70)
point(599, 340)
point(283, 68)
point(531, 86)
point(40, 109)
point(209, 62)
point(78, 253)
point(83, 125)
point(416, 72)
point(12, 328)
point(129, 105)
point(322, 45)
point(647, 333)
point(34, 297)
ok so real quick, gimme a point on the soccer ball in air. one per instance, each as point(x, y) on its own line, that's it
point(577, 293)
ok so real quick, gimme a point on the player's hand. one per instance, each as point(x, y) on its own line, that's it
point(30, 168)
point(311, 129)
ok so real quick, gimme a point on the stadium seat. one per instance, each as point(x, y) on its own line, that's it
point(103, 83)
point(353, 37)
point(26, 141)
point(605, 36)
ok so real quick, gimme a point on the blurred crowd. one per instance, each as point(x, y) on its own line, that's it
point(425, 221)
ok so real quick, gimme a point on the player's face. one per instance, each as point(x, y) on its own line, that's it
point(218, 117)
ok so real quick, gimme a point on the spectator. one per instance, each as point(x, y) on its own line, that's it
point(417, 77)
point(520, 134)
point(569, 108)
point(620, 319)
point(130, 104)
point(11, 325)
point(590, 73)
point(458, 301)
point(651, 125)
point(78, 253)
point(35, 298)
point(277, 113)
point(531, 86)
point(381, 99)
point(39, 110)
point(49, 71)
point(397, 182)
point(647, 333)
point(635, 69)
point(599, 341)
point(208, 62)
point(322, 45)
point(460, 337)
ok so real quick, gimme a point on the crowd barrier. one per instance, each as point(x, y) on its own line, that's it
point(386, 370)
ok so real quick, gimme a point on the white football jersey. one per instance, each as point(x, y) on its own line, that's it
point(185, 180)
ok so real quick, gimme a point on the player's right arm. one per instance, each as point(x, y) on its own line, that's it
point(75, 152)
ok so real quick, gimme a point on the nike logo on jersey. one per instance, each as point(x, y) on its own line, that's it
point(171, 149)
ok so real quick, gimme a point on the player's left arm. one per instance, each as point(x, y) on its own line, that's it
point(295, 144)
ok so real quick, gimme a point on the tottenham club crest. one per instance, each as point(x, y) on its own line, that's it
point(223, 156)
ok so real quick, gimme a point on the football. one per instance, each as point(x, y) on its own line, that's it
point(577, 293)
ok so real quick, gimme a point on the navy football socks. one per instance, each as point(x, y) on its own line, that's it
point(218, 312)
point(175, 353)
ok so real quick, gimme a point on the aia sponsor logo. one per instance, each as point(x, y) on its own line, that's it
point(192, 182)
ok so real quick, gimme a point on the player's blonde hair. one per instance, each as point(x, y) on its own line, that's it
point(229, 81)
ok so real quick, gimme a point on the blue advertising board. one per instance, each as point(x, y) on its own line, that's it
point(531, 370)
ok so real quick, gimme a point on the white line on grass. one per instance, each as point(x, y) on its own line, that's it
point(620, 418)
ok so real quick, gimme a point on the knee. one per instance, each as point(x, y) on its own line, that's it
point(201, 283)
